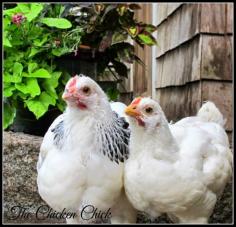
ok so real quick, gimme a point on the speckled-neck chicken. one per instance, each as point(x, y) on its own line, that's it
point(179, 169)
point(82, 154)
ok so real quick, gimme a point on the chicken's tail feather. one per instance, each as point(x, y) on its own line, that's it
point(209, 112)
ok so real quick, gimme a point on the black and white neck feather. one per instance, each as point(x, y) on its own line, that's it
point(113, 138)
point(111, 132)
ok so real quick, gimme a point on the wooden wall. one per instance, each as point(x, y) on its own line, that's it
point(142, 74)
point(194, 58)
point(139, 81)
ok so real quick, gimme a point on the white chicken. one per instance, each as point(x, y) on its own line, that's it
point(82, 154)
point(178, 169)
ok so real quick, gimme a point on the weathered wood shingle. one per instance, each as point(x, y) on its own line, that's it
point(194, 58)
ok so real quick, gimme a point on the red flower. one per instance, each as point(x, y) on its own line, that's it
point(18, 18)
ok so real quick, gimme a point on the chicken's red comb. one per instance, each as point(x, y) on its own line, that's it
point(136, 101)
point(72, 82)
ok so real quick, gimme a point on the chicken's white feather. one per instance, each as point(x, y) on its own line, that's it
point(178, 169)
point(74, 169)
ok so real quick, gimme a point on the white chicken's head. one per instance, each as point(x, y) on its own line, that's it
point(145, 113)
point(83, 93)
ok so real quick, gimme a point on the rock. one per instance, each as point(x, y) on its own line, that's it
point(20, 155)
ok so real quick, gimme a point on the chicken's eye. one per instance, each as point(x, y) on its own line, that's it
point(149, 110)
point(86, 90)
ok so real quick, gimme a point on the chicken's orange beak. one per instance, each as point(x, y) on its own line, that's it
point(131, 110)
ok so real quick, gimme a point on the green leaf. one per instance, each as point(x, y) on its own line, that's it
point(126, 55)
point(23, 7)
point(8, 78)
point(39, 43)
point(62, 8)
point(11, 12)
point(24, 74)
point(51, 91)
point(30, 87)
point(50, 84)
point(150, 28)
point(39, 105)
point(40, 73)
point(32, 66)
point(16, 77)
point(34, 51)
point(122, 9)
point(17, 42)
point(61, 104)
point(113, 94)
point(35, 10)
point(60, 51)
point(54, 79)
point(61, 107)
point(147, 39)
point(22, 95)
point(56, 22)
point(7, 92)
point(17, 69)
point(47, 100)
point(36, 107)
point(125, 52)
point(6, 22)
point(7, 85)
point(118, 37)
point(133, 31)
point(36, 32)
point(65, 77)
point(6, 41)
point(9, 60)
point(9, 114)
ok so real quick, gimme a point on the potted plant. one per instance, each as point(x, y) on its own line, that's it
point(105, 29)
point(44, 44)
point(32, 82)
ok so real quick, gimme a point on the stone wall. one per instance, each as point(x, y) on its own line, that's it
point(20, 154)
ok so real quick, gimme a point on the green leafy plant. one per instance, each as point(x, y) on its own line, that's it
point(112, 94)
point(106, 29)
point(36, 34)
point(31, 78)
